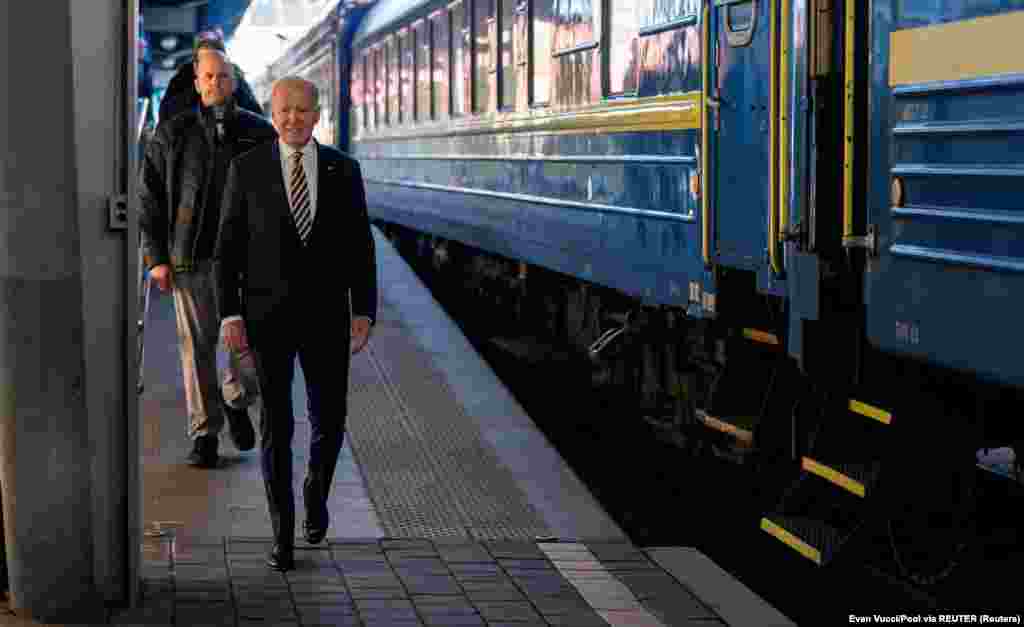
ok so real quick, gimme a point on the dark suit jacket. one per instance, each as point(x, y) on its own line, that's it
point(264, 273)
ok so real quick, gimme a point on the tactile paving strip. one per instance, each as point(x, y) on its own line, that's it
point(427, 470)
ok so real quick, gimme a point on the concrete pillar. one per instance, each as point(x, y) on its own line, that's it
point(45, 454)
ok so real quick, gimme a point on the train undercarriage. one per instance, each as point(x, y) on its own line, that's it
point(883, 455)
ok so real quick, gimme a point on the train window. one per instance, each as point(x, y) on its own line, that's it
point(441, 49)
point(574, 25)
point(483, 15)
point(461, 66)
point(543, 33)
point(358, 116)
point(623, 61)
point(512, 11)
point(394, 63)
point(665, 14)
point(669, 47)
point(406, 73)
point(419, 30)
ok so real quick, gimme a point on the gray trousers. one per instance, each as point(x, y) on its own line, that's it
point(195, 307)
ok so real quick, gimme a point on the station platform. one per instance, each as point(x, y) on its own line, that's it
point(449, 507)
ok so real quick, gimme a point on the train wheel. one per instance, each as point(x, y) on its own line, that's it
point(931, 534)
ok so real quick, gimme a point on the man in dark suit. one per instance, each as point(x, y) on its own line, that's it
point(294, 215)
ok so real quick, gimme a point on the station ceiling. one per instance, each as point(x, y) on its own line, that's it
point(171, 25)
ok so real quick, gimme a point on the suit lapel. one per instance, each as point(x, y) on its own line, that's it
point(279, 193)
point(325, 169)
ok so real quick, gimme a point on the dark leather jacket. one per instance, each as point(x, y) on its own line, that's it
point(175, 187)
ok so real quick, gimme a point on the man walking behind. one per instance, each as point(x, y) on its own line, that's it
point(182, 181)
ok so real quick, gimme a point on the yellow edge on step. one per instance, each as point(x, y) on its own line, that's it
point(792, 541)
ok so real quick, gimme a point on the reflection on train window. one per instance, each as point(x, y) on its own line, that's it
point(379, 93)
point(405, 74)
point(394, 105)
point(506, 44)
point(358, 112)
point(622, 53)
point(574, 23)
point(422, 43)
point(653, 13)
point(481, 31)
point(442, 87)
point(543, 38)
point(460, 59)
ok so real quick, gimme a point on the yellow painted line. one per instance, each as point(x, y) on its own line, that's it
point(760, 336)
point(792, 541)
point(956, 51)
point(720, 425)
point(784, 121)
point(864, 409)
point(831, 474)
point(705, 174)
point(660, 113)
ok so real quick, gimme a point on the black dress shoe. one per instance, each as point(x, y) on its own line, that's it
point(313, 533)
point(204, 452)
point(281, 558)
point(240, 426)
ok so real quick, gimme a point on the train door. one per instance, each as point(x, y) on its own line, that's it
point(739, 102)
point(946, 273)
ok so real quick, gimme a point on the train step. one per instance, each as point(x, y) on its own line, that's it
point(733, 436)
point(827, 503)
point(815, 519)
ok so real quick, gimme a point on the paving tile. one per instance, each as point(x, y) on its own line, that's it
point(431, 585)
point(682, 607)
point(587, 618)
point(508, 611)
point(464, 552)
point(474, 568)
point(631, 618)
point(566, 603)
point(204, 613)
point(513, 549)
point(525, 564)
point(380, 594)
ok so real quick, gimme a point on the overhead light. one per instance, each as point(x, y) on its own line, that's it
point(169, 63)
point(168, 43)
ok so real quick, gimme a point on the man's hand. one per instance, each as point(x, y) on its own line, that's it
point(360, 333)
point(162, 275)
point(233, 334)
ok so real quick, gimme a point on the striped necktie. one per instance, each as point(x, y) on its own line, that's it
point(300, 198)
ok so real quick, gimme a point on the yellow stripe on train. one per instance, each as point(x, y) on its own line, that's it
point(955, 51)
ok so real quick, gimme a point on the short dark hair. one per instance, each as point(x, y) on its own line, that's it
point(206, 44)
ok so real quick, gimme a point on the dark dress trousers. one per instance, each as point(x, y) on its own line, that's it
point(295, 299)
